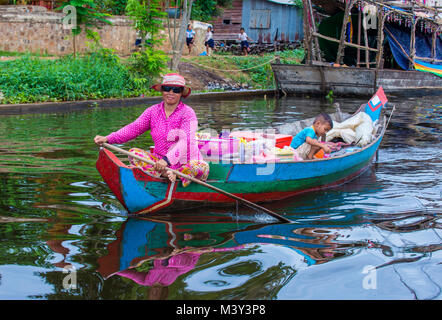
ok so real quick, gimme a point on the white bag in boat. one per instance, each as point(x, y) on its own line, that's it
point(347, 134)
point(364, 131)
point(358, 129)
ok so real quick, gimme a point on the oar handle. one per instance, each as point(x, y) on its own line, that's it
point(178, 173)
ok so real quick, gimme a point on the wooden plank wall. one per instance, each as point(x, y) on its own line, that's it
point(230, 31)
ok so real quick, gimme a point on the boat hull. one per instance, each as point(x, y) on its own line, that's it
point(141, 193)
point(134, 189)
point(315, 79)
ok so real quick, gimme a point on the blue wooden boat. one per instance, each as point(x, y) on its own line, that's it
point(141, 193)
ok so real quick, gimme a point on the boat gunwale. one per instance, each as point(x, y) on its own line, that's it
point(164, 180)
point(393, 89)
point(346, 68)
point(379, 136)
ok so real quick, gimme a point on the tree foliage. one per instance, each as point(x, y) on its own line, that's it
point(114, 7)
point(86, 13)
point(205, 10)
point(147, 17)
point(177, 38)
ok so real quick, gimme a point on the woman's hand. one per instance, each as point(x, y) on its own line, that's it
point(171, 176)
point(99, 140)
point(160, 165)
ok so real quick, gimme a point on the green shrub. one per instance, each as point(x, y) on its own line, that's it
point(95, 75)
point(148, 62)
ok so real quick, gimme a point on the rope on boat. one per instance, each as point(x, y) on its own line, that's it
point(391, 114)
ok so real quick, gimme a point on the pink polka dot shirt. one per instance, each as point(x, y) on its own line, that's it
point(173, 137)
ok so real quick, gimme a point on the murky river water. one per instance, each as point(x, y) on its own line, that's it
point(64, 236)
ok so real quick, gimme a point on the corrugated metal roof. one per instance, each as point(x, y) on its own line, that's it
point(289, 2)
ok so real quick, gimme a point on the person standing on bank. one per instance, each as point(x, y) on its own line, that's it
point(173, 126)
point(208, 41)
point(190, 37)
point(242, 36)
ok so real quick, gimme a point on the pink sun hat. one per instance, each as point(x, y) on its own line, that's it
point(174, 80)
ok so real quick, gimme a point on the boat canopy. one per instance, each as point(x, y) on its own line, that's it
point(399, 40)
point(412, 33)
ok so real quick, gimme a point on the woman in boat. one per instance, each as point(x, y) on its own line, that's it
point(173, 126)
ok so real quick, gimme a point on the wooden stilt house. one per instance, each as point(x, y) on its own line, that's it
point(361, 45)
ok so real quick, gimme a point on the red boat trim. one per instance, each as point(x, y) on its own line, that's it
point(114, 158)
point(109, 174)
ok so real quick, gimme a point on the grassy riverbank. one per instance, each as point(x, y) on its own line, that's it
point(102, 74)
point(97, 75)
point(255, 71)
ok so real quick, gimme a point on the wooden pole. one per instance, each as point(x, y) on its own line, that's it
point(381, 22)
point(178, 173)
point(413, 37)
point(435, 29)
point(340, 53)
point(307, 33)
point(317, 50)
point(379, 36)
point(354, 45)
point(358, 55)
point(428, 59)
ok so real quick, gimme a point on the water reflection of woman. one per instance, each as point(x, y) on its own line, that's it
point(155, 254)
point(164, 268)
point(162, 271)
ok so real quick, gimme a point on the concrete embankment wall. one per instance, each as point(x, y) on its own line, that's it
point(35, 29)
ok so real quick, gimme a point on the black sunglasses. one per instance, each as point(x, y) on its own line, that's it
point(174, 89)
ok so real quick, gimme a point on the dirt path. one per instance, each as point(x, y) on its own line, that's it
point(202, 79)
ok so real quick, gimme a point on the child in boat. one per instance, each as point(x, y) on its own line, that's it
point(306, 142)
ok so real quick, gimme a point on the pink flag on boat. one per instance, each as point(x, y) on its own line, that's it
point(374, 106)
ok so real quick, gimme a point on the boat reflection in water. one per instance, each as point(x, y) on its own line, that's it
point(155, 253)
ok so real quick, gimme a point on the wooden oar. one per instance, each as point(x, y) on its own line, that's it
point(248, 203)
